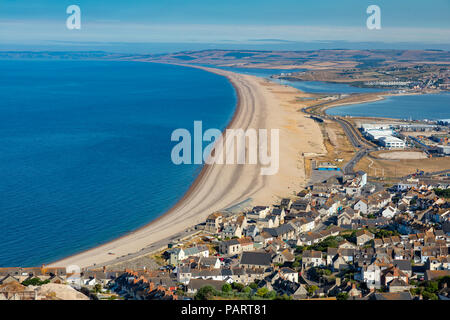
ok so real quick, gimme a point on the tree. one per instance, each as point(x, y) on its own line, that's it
point(253, 285)
point(97, 288)
point(270, 295)
point(226, 287)
point(283, 297)
point(311, 290)
point(261, 292)
point(342, 296)
point(34, 282)
point(205, 293)
point(247, 290)
point(238, 286)
point(429, 296)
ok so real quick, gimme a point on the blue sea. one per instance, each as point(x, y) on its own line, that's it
point(415, 107)
point(85, 149)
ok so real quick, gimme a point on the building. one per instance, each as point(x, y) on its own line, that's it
point(392, 142)
point(444, 150)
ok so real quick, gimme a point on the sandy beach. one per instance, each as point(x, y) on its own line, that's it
point(261, 104)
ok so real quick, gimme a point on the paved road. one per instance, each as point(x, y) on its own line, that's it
point(355, 139)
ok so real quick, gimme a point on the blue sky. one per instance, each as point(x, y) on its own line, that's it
point(23, 21)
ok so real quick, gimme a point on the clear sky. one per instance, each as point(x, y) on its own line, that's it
point(221, 21)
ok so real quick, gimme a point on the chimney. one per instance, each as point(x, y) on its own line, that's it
point(104, 268)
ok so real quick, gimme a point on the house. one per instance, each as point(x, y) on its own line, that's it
point(280, 213)
point(404, 266)
point(268, 222)
point(304, 224)
point(371, 275)
point(251, 231)
point(289, 274)
point(258, 212)
point(284, 232)
point(196, 251)
point(230, 247)
point(246, 244)
point(213, 222)
point(378, 200)
point(254, 259)
point(392, 273)
point(344, 244)
point(331, 253)
point(286, 204)
point(300, 205)
point(184, 274)
point(346, 217)
point(232, 231)
point(263, 238)
point(196, 284)
point(210, 262)
point(175, 255)
point(361, 206)
point(398, 285)
point(389, 212)
point(8, 279)
point(290, 288)
point(311, 258)
point(338, 263)
point(391, 296)
point(435, 274)
point(284, 256)
point(363, 236)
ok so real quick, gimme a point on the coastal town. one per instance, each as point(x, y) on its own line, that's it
point(365, 216)
point(341, 238)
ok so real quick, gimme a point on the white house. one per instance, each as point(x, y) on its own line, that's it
point(361, 206)
point(371, 275)
point(389, 212)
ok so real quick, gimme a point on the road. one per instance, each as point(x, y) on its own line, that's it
point(364, 147)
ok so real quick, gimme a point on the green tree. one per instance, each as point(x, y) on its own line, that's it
point(253, 285)
point(97, 288)
point(261, 292)
point(311, 290)
point(205, 293)
point(283, 297)
point(226, 287)
point(342, 296)
point(238, 286)
point(270, 295)
point(34, 282)
point(429, 296)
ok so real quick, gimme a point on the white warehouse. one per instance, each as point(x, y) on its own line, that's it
point(392, 142)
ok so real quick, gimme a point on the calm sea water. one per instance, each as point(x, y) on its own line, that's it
point(416, 107)
point(85, 149)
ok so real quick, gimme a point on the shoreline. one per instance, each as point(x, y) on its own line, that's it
point(197, 181)
point(194, 189)
point(217, 187)
point(261, 104)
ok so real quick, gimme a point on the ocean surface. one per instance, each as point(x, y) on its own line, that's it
point(85, 149)
point(415, 107)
